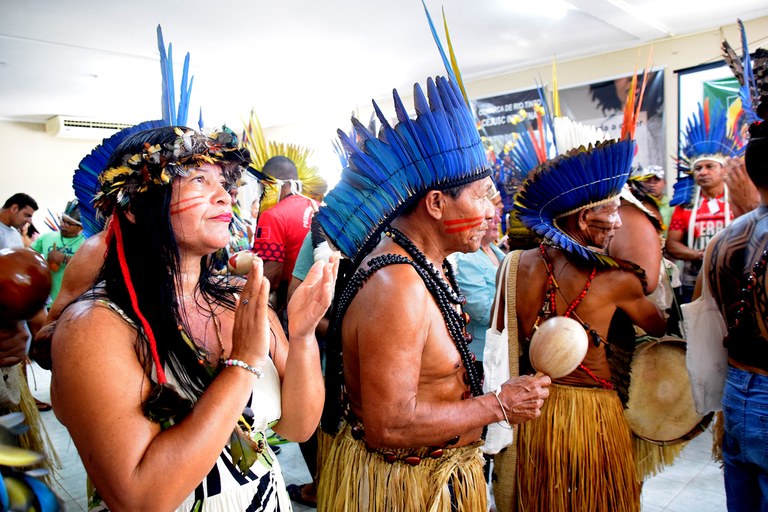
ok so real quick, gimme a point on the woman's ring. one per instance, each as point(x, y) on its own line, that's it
point(244, 302)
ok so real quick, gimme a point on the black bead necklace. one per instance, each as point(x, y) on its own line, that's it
point(448, 297)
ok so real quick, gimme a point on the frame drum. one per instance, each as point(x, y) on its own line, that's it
point(660, 408)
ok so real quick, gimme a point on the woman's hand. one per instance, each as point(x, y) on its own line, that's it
point(312, 298)
point(251, 333)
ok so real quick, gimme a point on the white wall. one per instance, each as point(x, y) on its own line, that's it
point(40, 165)
point(34, 162)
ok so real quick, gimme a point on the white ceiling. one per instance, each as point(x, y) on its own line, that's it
point(293, 58)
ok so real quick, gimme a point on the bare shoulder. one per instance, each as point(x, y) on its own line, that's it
point(397, 284)
point(622, 283)
point(393, 304)
point(88, 330)
point(94, 354)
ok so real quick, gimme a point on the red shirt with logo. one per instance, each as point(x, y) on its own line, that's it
point(710, 220)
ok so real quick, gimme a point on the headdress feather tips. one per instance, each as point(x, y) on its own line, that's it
point(752, 73)
point(439, 149)
point(86, 178)
point(590, 170)
point(711, 133)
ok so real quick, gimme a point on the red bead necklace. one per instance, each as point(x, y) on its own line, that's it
point(552, 286)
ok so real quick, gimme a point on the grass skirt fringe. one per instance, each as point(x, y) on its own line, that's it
point(577, 455)
point(324, 442)
point(652, 458)
point(36, 438)
point(354, 479)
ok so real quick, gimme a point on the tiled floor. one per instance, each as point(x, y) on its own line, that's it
point(693, 483)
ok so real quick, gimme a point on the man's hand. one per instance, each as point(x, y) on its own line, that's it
point(524, 396)
point(742, 193)
point(55, 258)
point(13, 343)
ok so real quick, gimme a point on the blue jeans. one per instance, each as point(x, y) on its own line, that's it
point(745, 446)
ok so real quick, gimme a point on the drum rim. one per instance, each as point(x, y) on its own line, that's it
point(697, 429)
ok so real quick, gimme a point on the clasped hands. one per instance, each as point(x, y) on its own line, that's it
point(251, 334)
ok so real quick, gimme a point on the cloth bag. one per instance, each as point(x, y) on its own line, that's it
point(496, 360)
point(706, 357)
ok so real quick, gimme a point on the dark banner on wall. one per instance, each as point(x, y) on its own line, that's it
point(496, 115)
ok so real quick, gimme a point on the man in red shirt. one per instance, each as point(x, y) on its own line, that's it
point(282, 228)
point(694, 225)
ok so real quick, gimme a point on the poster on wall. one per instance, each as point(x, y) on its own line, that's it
point(601, 104)
point(499, 118)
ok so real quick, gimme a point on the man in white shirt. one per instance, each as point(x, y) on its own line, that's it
point(16, 212)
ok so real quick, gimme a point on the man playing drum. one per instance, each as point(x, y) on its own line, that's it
point(578, 455)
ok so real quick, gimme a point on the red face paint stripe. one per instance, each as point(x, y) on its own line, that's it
point(462, 221)
point(179, 203)
point(459, 229)
point(189, 207)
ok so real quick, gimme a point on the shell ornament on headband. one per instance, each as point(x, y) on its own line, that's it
point(158, 164)
point(439, 149)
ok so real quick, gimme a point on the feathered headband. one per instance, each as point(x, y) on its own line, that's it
point(440, 149)
point(312, 183)
point(711, 134)
point(591, 169)
point(72, 212)
point(158, 164)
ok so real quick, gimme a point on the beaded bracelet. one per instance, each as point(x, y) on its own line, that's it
point(496, 394)
point(245, 366)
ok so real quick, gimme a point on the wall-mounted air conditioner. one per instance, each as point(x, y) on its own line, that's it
point(82, 128)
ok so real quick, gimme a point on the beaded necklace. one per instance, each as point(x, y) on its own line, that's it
point(445, 294)
point(550, 310)
point(450, 302)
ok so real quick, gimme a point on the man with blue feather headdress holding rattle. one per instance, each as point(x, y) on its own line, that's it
point(579, 454)
point(406, 406)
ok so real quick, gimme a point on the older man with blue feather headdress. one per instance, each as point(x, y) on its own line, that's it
point(404, 396)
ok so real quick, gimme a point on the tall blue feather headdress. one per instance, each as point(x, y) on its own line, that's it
point(440, 149)
point(85, 180)
point(711, 133)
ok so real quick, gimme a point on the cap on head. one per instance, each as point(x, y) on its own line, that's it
point(72, 212)
point(641, 173)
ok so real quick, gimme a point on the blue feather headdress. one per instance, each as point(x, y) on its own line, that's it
point(591, 169)
point(440, 149)
point(85, 180)
point(710, 134)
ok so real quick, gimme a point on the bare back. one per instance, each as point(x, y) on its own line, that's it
point(608, 291)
